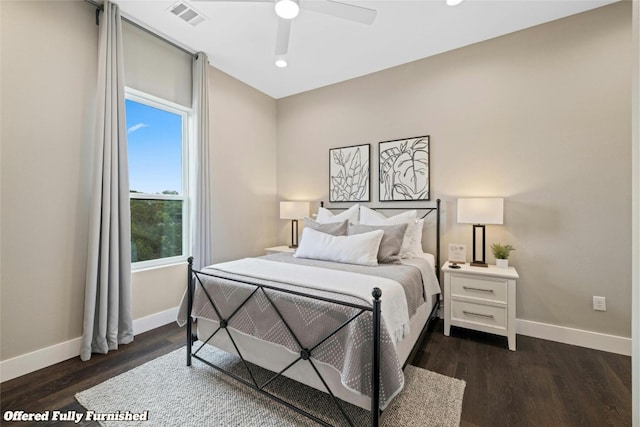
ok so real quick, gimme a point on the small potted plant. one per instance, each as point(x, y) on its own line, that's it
point(501, 252)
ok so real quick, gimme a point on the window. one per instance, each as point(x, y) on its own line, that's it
point(157, 138)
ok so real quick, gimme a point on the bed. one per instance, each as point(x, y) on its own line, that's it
point(347, 329)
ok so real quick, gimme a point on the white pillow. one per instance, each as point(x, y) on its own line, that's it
point(325, 216)
point(356, 249)
point(370, 217)
point(416, 238)
point(412, 243)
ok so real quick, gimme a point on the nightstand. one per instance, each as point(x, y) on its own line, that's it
point(279, 249)
point(481, 298)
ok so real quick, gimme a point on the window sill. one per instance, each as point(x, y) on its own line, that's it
point(155, 264)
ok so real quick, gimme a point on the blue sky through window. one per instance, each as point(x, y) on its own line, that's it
point(154, 138)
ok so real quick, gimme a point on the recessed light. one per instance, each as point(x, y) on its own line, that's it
point(454, 2)
point(281, 62)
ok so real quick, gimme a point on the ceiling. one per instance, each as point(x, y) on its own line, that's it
point(239, 37)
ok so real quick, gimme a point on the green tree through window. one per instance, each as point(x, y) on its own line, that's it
point(156, 229)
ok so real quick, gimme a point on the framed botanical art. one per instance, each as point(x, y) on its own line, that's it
point(349, 170)
point(404, 169)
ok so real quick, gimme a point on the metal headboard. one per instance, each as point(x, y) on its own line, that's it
point(428, 210)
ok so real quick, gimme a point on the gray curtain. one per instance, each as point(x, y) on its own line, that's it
point(202, 239)
point(107, 308)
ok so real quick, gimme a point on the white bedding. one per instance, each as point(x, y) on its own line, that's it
point(395, 312)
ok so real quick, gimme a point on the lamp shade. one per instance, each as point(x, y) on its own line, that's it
point(481, 210)
point(294, 210)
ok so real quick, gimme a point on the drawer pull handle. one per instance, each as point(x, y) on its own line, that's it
point(467, 288)
point(471, 313)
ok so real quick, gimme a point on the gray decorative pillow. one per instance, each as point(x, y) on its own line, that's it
point(389, 251)
point(333, 228)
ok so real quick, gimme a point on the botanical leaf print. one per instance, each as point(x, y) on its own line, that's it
point(349, 174)
point(404, 169)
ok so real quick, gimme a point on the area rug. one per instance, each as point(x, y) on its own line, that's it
point(165, 392)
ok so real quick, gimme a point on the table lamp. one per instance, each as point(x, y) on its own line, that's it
point(479, 212)
point(294, 211)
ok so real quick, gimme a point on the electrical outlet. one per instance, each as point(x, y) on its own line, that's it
point(599, 303)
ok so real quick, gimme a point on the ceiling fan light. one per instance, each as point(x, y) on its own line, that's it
point(454, 2)
point(281, 62)
point(287, 9)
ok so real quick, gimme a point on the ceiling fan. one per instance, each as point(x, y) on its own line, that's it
point(289, 9)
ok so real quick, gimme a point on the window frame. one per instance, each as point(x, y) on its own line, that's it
point(186, 197)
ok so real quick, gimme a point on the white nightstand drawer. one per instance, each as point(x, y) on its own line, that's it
point(486, 288)
point(494, 317)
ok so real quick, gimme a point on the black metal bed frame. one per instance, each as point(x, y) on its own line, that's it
point(194, 278)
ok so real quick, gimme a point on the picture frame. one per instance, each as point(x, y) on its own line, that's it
point(404, 173)
point(457, 253)
point(349, 173)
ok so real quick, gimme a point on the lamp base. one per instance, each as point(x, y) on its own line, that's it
point(478, 262)
point(294, 234)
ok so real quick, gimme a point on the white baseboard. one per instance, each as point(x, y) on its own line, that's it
point(38, 359)
point(155, 320)
point(579, 337)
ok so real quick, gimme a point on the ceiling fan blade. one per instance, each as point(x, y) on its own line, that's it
point(346, 11)
point(282, 36)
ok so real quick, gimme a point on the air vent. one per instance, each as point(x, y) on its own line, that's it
point(187, 13)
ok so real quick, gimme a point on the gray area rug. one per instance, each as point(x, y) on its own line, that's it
point(174, 394)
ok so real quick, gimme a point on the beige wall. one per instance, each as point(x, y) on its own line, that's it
point(157, 289)
point(48, 79)
point(243, 158)
point(541, 117)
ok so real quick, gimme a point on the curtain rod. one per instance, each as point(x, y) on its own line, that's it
point(100, 7)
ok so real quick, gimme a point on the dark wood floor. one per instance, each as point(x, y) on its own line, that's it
point(542, 384)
